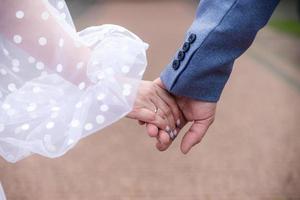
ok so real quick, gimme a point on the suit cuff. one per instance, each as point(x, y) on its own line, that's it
point(209, 89)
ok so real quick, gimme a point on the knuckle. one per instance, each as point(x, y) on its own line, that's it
point(152, 117)
point(157, 122)
point(168, 112)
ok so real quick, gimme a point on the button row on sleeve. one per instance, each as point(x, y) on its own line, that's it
point(185, 48)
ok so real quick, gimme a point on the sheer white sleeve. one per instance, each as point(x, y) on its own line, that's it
point(2, 195)
point(58, 85)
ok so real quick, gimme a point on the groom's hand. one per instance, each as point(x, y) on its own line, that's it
point(200, 113)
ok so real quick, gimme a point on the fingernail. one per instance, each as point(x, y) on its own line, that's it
point(168, 129)
point(175, 133)
point(178, 122)
point(171, 135)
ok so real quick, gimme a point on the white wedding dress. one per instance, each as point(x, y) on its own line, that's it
point(58, 85)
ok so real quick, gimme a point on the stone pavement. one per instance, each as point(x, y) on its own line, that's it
point(251, 152)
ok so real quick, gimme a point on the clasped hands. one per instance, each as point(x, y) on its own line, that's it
point(165, 115)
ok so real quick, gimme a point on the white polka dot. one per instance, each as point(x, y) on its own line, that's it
point(40, 65)
point(78, 105)
point(55, 108)
point(100, 119)
point(104, 108)
point(3, 72)
point(17, 39)
point(31, 107)
point(126, 92)
point(88, 127)
point(75, 123)
point(127, 86)
point(6, 106)
point(36, 90)
point(2, 127)
point(61, 42)
point(50, 125)
point(54, 115)
point(20, 14)
point(100, 76)
point(15, 63)
point(80, 65)
point(25, 127)
point(125, 69)
point(12, 87)
point(31, 59)
point(45, 15)
point(100, 96)
point(16, 69)
point(59, 68)
point(11, 112)
point(60, 5)
point(42, 41)
point(81, 86)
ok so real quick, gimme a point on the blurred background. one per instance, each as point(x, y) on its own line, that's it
point(252, 152)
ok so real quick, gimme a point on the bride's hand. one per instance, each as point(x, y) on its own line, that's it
point(155, 106)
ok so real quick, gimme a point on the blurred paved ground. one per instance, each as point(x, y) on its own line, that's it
point(287, 9)
point(251, 153)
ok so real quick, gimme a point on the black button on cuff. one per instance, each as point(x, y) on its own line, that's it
point(192, 38)
point(181, 55)
point(176, 64)
point(186, 47)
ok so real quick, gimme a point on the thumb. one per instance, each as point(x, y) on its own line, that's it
point(194, 135)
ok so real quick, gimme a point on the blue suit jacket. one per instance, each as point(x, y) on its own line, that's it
point(222, 31)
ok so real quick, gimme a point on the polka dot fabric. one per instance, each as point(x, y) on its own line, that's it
point(58, 85)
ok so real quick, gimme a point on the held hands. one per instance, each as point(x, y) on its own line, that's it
point(165, 115)
point(156, 106)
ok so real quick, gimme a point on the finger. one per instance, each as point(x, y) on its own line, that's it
point(167, 137)
point(176, 131)
point(173, 106)
point(142, 114)
point(164, 138)
point(161, 147)
point(163, 141)
point(150, 117)
point(193, 136)
point(164, 111)
point(152, 130)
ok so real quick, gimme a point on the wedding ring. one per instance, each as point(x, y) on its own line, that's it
point(156, 110)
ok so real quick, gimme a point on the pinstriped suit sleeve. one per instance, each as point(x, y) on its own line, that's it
point(222, 31)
